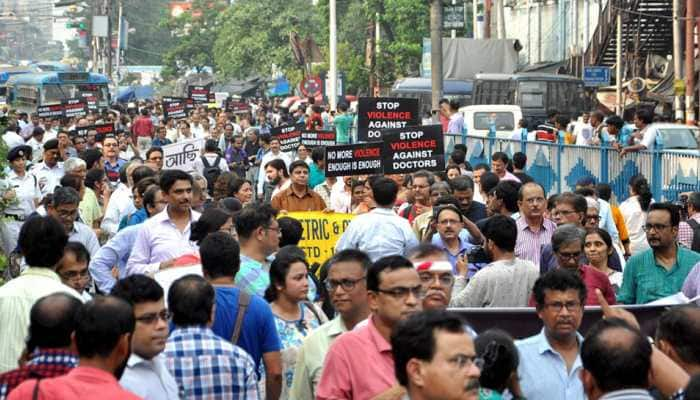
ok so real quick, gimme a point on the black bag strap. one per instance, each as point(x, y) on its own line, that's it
point(243, 303)
point(35, 392)
point(311, 307)
point(205, 162)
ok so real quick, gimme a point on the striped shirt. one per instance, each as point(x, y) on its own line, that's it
point(529, 244)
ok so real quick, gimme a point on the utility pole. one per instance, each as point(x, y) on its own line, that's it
point(108, 45)
point(453, 32)
point(500, 20)
point(333, 68)
point(690, 62)
point(618, 66)
point(677, 57)
point(487, 19)
point(436, 56)
point(119, 44)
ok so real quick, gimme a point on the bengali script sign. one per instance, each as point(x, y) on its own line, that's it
point(318, 138)
point(412, 148)
point(321, 232)
point(354, 159)
point(289, 136)
point(377, 113)
point(182, 155)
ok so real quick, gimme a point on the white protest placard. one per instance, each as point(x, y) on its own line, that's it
point(166, 277)
point(182, 155)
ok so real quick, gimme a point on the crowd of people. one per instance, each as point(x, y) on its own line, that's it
point(96, 230)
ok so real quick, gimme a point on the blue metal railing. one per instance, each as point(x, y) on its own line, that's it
point(558, 166)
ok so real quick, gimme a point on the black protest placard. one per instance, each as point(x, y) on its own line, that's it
point(354, 159)
point(318, 138)
point(412, 148)
point(175, 109)
point(91, 99)
point(237, 106)
point(377, 113)
point(50, 111)
point(199, 93)
point(74, 108)
point(289, 136)
point(101, 129)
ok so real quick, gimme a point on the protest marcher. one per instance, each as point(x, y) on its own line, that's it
point(243, 319)
point(112, 163)
point(499, 161)
point(213, 219)
point(295, 316)
point(259, 235)
point(11, 136)
point(634, 211)
point(142, 128)
point(341, 195)
point(449, 223)
point(145, 180)
point(346, 285)
point(489, 181)
point(422, 224)
point(146, 374)
point(534, 230)
point(343, 122)
point(550, 361)
point(463, 190)
point(586, 187)
point(121, 201)
point(236, 157)
point(36, 143)
point(165, 237)
point(661, 270)
point(211, 164)
point(64, 208)
point(422, 181)
point(503, 199)
point(324, 189)
point(380, 232)
point(505, 282)
point(569, 208)
point(598, 249)
point(435, 274)
point(161, 138)
point(73, 269)
point(277, 179)
point(435, 357)
point(394, 293)
point(242, 189)
point(316, 167)
point(154, 158)
point(49, 172)
point(687, 229)
point(22, 187)
point(298, 196)
point(676, 336)
point(48, 350)
point(499, 371)
point(102, 335)
point(274, 154)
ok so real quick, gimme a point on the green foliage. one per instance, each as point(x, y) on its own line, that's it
point(149, 37)
point(254, 36)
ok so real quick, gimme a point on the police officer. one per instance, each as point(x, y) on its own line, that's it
point(21, 190)
point(50, 171)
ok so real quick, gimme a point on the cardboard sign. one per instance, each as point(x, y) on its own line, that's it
point(289, 136)
point(182, 155)
point(318, 138)
point(74, 108)
point(50, 111)
point(199, 94)
point(413, 148)
point(377, 113)
point(354, 159)
point(175, 109)
point(321, 233)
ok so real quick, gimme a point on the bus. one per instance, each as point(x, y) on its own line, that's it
point(5, 74)
point(535, 93)
point(421, 89)
point(29, 91)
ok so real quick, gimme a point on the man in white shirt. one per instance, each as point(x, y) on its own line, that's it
point(456, 123)
point(380, 232)
point(121, 201)
point(645, 139)
point(64, 208)
point(273, 154)
point(341, 198)
point(36, 143)
point(277, 178)
point(146, 373)
point(48, 172)
point(196, 127)
point(11, 138)
point(212, 157)
point(583, 131)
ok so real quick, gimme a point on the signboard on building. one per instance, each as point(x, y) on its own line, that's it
point(453, 16)
point(595, 76)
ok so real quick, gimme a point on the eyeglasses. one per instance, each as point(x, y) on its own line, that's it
point(347, 284)
point(535, 200)
point(75, 275)
point(446, 222)
point(274, 229)
point(462, 361)
point(152, 318)
point(110, 145)
point(558, 306)
point(593, 217)
point(446, 280)
point(401, 293)
point(656, 227)
point(570, 256)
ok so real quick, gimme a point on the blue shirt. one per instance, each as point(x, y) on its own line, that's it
point(112, 171)
point(258, 332)
point(134, 219)
point(115, 252)
point(543, 373)
point(464, 248)
point(158, 142)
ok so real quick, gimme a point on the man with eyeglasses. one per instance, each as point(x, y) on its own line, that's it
point(505, 282)
point(394, 293)
point(435, 273)
point(346, 286)
point(259, 237)
point(550, 362)
point(146, 373)
point(73, 269)
point(64, 208)
point(661, 270)
point(435, 357)
point(534, 230)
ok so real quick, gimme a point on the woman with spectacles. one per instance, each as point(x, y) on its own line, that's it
point(598, 247)
point(499, 365)
point(295, 316)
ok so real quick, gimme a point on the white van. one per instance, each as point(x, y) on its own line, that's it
point(477, 119)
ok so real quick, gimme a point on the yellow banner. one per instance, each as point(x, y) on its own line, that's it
point(321, 232)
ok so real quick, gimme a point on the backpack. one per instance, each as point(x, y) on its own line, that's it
point(211, 173)
point(696, 234)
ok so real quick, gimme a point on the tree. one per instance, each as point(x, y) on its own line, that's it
point(254, 36)
point(149, 36)
point(196, 30)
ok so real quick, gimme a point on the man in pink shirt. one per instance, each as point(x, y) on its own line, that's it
point(359, 364)
point(499, 161)
point(102, 337)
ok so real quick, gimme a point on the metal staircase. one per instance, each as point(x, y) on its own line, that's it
point(647, 28)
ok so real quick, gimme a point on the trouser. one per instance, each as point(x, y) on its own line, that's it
point(9, 230)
